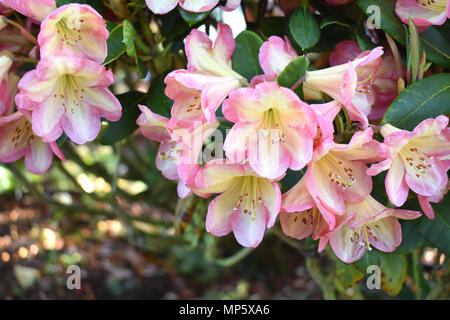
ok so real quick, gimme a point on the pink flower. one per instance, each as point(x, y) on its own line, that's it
point(209, 71)
point(369, 223)
point(413, 161)
point(423, 12)
point(5, 64)
point(68, 93)
point(247, 203)
point(178, 153)
point(382, 90)
point(17, 140)
point(273, 129)
point(161, 7)
point(76, 27)
point(338, 172)
point(350, 83)
point(35, 9)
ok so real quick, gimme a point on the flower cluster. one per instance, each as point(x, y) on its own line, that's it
point(66, 93)
point(273, 130)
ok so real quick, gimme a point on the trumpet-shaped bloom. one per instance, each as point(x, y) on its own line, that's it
point(209, 71)
point(273, 129)
point(68, 93)
point(423, 12)
point(164, 6)
point(35, 9)
point(413, 161)
point(76, 27)
point(178, 153)
point(369, 224)
point(17, 140)
point(247, 203)
point(5, 64)
point(274, 55)
point(383, 88)
point(339, 173)
point(350, 83)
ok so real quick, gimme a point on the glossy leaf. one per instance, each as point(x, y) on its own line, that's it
point(304, 28)
point(245, 58)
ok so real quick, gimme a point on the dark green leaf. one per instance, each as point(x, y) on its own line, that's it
point(304, 28)
point(156, 99)
point(390, 23)
point(347, 275)
point(424, 99)
point(96, 4)
point(393, 272)
point(129, 35)
point(116, 47)
point(411, 238)
point(273, 26)
point(192, 18)
point(436, 44)
point(292, 73)
point(116, 131)
point(334, 20)
point(245, 58)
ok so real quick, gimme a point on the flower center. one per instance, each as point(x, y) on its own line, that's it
point(173, 154)
point(415, 161)
point(338, 171)
point(435, 5)
point(195, 104)
point(361, 235)
point(23, 134)
point(250, 198)
point(70, 32)
point(272, 128)
point(70, 94)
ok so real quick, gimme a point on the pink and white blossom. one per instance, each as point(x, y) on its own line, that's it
point(164, 6)
point(76, 27)
point(68, 93)
point(247, 204)
point(273, 129)
point(209, 71)
point(413, 161)
point(423, 13)
point(17, 140)
point(35, 9)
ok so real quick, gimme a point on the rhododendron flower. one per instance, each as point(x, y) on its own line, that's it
point(164, 6)
point(274, 55)
point(17, 140)
point(209, 70)
point(5, 64)
point(68, 93)
point(35, 9)
point(423, 12)
point(178, 154)
point(413, 162)
point(247, 205)
point(350, 83)
point(76, 27)
point(338, 172)
point(273, 129)
point(369, 224)
point(383, 90)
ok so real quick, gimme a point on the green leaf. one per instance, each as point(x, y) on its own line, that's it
point(156, 99)
point(129, 34)
point(436, 44)
point(116, 131)
point(411, 238)
point(371, 257)
point(437, 231)
point(192, 18)
point(245, 58)
point(304, 28)
point(116, 47)
point(390, 23)
point(393, 272)
point(326, 21)
point(424, 99)
point(292, 73)
point(347, 275)
point(96, 4)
